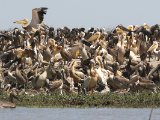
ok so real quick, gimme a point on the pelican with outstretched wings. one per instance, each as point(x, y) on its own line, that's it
point(36, 22)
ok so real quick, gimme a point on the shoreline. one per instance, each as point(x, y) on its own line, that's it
point(112, 100)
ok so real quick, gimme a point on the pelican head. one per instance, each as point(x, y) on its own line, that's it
point(146, 26)
point(130, 27)
point(23, 22)
point(119, 31)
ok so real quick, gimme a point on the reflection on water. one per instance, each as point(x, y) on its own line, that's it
point(21, 113)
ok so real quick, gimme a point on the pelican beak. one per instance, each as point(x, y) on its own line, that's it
point(19, 22)
point(22, 22)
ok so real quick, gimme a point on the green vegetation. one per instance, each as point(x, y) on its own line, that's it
point(135, 100)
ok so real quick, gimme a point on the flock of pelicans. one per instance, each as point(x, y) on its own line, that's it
point(40, 59)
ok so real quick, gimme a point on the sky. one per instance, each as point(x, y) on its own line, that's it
point(82, 13)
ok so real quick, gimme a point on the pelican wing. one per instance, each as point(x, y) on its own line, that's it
point(66, 55)
point(42, 11)
point(123, 28)
point(94, 37)
point(38, 16)
point(86, 43)
point(41, 80)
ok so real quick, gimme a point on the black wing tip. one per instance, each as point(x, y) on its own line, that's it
point(44, 8)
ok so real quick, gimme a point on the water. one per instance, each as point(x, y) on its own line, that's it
point(21, 113)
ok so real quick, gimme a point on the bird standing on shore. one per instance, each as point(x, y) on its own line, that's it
point(153, 48)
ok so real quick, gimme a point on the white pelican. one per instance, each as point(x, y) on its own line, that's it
point(146, 26)
point(153, 47)
point(119, 31)
point(37, 19)
point(130, 27)
point(152, 50)
point(40, 80)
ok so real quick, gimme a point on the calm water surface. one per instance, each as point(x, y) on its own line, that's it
point(21, 113)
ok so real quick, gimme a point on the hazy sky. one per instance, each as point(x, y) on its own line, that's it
point(82, 13)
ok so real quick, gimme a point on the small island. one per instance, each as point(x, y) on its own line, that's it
point(42, 66)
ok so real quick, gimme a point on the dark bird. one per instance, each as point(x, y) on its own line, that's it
point(86, 42)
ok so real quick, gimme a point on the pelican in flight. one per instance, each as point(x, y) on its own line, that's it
point(36, 22)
